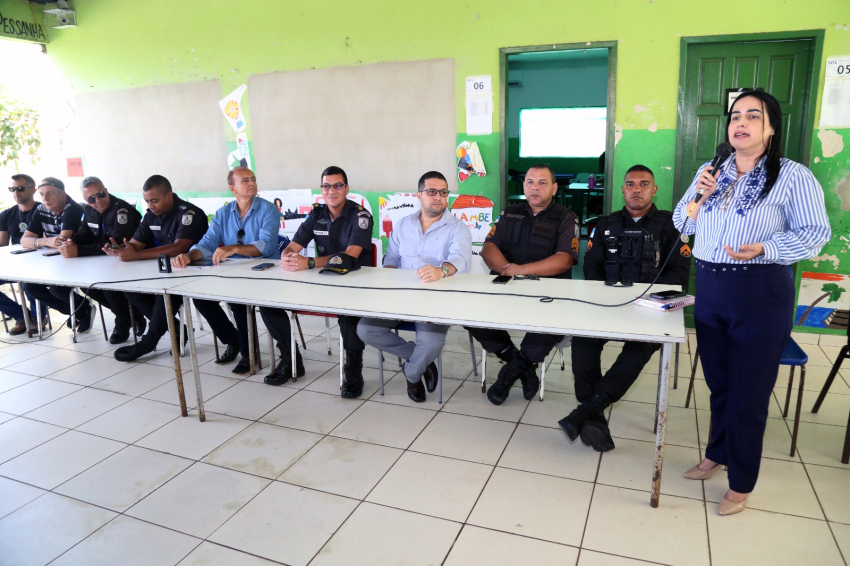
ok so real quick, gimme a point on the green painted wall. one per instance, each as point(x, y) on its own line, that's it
point(121, 45)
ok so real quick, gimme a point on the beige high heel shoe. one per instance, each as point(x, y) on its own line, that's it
point(730, 507)
point(696, 474)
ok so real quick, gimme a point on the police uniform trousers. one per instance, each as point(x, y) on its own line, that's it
point(535, 346)
point(55, 297)
point(743, 319)
point(278, 325)
point(11, 308)
point(587, 367)
point(153, 307)
point(117, 302)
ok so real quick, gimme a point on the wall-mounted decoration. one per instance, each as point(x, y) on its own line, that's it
point(476, 212)
point(469, 161)
point(824, 300)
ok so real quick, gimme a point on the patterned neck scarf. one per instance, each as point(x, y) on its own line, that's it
point(751, 185)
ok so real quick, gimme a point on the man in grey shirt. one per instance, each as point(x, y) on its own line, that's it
point(437, 245)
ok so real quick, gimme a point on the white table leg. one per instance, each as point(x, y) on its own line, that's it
point(252, 358)
point(187, 303)
point(661, 419)
point(175, 354)
point(73, 316)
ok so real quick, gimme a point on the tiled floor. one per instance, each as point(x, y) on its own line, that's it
point(97, 467)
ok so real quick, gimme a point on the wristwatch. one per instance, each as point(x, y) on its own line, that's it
point(311, 263)
point(445, 269)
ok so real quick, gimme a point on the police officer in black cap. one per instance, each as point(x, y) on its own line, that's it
point(170, 227)
point(342, 232)
point(105, 217)
point(629, 246)
point(535, 237)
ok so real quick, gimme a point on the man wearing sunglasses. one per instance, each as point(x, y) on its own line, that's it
point(13, 224)
point(339, 226)
point(535, 237)
point(436, 245)
point(105, 217)
point(54, 221)
point(244, 227)
point(169, 227)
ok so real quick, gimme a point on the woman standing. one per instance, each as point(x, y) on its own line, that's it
point(758, 213)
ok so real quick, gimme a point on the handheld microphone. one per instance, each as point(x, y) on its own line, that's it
point(722, 153)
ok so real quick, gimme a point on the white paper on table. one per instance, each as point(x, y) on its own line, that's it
point(479, 114)
point(835, 105)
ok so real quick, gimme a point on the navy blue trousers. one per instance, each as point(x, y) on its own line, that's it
point(743, 321)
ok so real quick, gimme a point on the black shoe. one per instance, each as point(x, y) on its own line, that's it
point(135, 351)
point(299, 361)
point(507, 354)
point(499, 391)
point(573, 424)
point(85, 317)
point(281, 374)
point(243, 366)
point(229, 355)
point(596, 434)
point(430, 377)
point(141, 324)
point(530, 382)
point(119, 335)
point(352, 380)
point(185, 339)
point(416, 391)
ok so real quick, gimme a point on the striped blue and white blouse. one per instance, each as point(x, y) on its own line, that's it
point(790, 222)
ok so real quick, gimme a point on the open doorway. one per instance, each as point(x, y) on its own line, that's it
point(558, 109)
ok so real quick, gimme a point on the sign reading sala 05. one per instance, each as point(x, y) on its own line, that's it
point(15, 27)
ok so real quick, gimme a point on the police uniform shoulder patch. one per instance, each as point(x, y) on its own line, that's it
point(188, 217)
point(363, 213)
point(121, 215)
point(574, 246)
point(684, 238)
point(589, 246)
point(491, 232)
point(362, 222)
point(685, 250)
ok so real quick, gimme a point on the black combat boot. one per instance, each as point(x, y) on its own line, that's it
point(590, 411)
point(529, 379)
point(513, 370)
point(135, 351)
point(595, 432)
point(352, 377)
point(283, 372)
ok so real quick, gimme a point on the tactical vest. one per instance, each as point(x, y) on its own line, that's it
point(633, 254)
point(528, 238)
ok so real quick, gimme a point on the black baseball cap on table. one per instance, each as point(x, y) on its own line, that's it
point(341, 264)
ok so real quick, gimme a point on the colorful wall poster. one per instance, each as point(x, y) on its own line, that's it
point(231, 106)
point(824, 300)
point(476, 212)
point(394, 207)
point(469, 161)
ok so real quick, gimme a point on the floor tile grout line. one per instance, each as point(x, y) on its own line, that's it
point(704, 498)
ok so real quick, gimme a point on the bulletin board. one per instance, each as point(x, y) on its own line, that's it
point(171, 130)
point(385, 124)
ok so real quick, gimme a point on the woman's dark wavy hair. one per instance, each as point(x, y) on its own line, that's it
point(773, 154)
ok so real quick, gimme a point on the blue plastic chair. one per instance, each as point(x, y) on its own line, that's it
point(794, 356)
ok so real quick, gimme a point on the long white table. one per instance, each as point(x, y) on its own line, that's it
point(468, 300)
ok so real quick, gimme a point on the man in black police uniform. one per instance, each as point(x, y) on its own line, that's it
point(170, 227)
point(645, 236)
point(535, 237)
point(339, 226)
point(55, 220)
point(13, 224)
point(105, 217)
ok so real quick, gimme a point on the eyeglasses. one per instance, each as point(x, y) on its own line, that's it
point(98, 195)
point(335, 186)
point(434, 192)
point(240, 235)
point(19, 189)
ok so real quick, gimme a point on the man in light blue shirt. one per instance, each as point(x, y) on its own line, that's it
point(245, 227)
point(437, 245)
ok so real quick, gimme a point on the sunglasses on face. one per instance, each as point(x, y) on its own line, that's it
point(240, 236)
point(19, 189)
point(98, 195)
point(434, 192)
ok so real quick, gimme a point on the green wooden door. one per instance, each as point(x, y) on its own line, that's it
point(782, 68)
